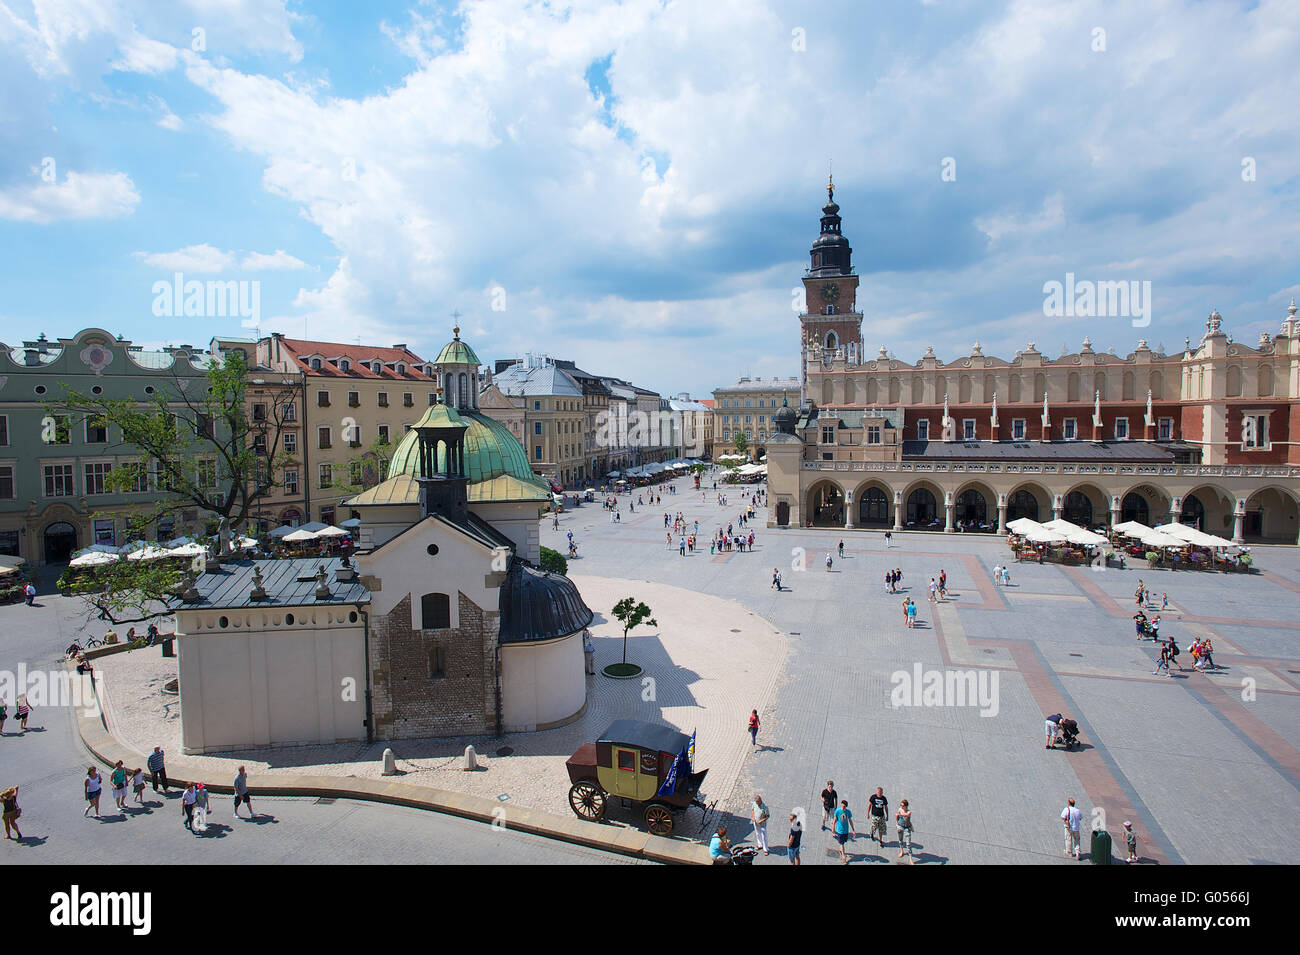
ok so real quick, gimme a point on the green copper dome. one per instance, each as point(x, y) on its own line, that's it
point(490, 451)
point(456, 352)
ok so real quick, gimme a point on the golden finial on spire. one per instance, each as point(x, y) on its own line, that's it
point(830, 181)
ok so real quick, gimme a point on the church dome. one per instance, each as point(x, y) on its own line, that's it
point(536, 605)
point(456, 352)
point(491, 450)
point(785, 419)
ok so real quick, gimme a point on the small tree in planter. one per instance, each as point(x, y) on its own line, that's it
point(1153, 559)
point(630, 613)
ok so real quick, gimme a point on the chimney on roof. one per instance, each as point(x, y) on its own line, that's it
point(401, 347)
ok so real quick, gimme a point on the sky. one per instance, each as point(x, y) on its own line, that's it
point(635, 185)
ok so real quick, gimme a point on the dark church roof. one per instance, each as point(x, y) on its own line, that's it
point(536, 605)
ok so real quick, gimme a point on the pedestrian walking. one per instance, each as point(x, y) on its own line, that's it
point(903, 824)
point(943, 584)
point(844, 829)
point(911, 614)
point(241, 793)
point(118, 778)
point(889, 539)
point(934, 591)
point(137, 784)
point(828, 560)
point(841, 548)
point(776, 576)
point(4, 715)
point(760, 814)
point(879, 811)
point(93, 784)
point(9, 805)
point(793, 844)
point(1165, 658)
point(157, 771)
point(1071, 819)
point(200, 808)
point(22, 710)
point(1130, 842)
point(997, 575)
point(29, 591)
point(829, 799)
point(187, 806)
point(753, 728)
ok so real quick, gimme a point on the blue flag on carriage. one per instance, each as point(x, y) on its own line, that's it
point(670, 781)
point(690, 750)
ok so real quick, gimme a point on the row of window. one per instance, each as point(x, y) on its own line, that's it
point(59, 480)
point(351, 434)
point(1019, 429)
point(354, 399)
point(762, 403)
point(317, 363)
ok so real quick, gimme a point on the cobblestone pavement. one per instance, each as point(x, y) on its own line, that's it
point(1205, 775)
point(1206, 767)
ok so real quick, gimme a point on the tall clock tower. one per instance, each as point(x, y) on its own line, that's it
point(830, 316)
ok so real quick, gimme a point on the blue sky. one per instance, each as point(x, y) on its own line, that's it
point(635, 185)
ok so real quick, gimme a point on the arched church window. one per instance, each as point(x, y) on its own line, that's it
point(435, 612)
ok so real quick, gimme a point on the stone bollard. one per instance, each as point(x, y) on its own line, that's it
point(471, 758)
point(390, 763)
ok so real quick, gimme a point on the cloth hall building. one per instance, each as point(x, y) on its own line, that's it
point(1206, 436)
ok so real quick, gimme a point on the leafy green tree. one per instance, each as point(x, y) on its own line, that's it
point(741, 442)
point(196, 445)
point(631, 613)
point(553, 562)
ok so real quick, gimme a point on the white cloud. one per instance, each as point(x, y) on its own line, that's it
point(279, 260)
point(193, 258)
point(79, 196)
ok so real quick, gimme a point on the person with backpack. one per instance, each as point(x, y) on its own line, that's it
point(1163, 662)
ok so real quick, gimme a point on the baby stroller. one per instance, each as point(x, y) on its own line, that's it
point(743, 854)
point(1067, 734)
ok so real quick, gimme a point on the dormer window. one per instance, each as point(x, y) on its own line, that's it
point(401, 369)
point(315, 364)
point(345, 365)
point(377, 367)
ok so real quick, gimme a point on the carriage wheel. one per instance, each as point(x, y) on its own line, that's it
point(658, 819)
point(587, 801)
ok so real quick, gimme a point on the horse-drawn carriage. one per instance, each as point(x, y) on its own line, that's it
point(641, 763)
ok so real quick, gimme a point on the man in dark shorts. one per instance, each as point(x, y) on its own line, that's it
point(829, 798)
point(844, 829)
point(796, 838)
point(879, 815)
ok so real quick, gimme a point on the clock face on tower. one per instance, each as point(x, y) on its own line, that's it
point(830, 292)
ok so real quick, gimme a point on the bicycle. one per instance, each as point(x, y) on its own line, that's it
point(92, 642)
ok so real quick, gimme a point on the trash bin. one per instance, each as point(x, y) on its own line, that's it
point(1099, 851)
point(169, 646)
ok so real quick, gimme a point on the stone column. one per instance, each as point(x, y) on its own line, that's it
point(948, 508)
point(1114, 511)
point(1239, 521)
point(848, 510)
point(1002, 514)
point(898, 510)
point(1058, 507)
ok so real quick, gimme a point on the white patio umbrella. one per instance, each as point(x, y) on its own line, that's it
point(284, 530)
point(1076, 534)
point(1036, 532)
point(1193, 536)
point(244, 543)
point(351, 522)
point(299, 536)
point(313, 526)
point(150, 552)
point(333, 532)
point(191, 549)
point(98, 549)
point(94, 558)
